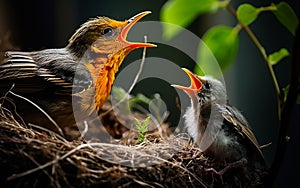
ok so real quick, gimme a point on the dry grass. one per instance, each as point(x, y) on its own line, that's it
point(39, 158)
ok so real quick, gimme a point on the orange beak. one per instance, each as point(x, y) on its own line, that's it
point(196, 84)
point(128, 26)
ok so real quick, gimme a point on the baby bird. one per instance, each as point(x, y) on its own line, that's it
point(219, 129)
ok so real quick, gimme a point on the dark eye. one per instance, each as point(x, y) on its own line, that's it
point(206, 85)
point(108, 32)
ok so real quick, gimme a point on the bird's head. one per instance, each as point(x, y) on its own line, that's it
point(105, 37)
point(100, 44)
point(203, 88)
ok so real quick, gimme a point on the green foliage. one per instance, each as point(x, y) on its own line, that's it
point(139, 98)
point(126, 103)
point(142, 129)
point(182, 13)
point(286, 16)
point(286, 91)
point(158, 108)
point(275, 57)
point(119, 94)
point(247, 13)
point(222, 43)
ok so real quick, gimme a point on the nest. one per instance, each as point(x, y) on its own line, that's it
point(40, 158)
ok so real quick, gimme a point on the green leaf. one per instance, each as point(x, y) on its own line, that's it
point(157, 107)
point(275, 57)
point(146, 122)
point(138, 123)
point(183, 12)
point(118, 93)
point(286, 16)
point(286, 91)
point(247, 13)
point(142, 129)
point(220, 50)
point(140, 98)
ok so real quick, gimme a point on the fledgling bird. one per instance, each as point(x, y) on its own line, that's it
point(74, 80)
point(219, 129)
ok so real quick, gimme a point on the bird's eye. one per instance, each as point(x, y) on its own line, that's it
point(108, 32)
point(207, 85)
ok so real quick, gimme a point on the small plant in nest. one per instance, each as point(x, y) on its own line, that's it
point(142, 129)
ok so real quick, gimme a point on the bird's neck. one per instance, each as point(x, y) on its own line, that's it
point(103, 72)
point(192, 121)
point(195, 104)
point(77, 49)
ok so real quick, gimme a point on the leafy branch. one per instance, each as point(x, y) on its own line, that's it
point(244, 18)
point(222, 42)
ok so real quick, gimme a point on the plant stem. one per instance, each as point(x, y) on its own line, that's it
point(269, 8)
point(285, 123)
point(223, 4)
point(265, 57)
point(137, 76)
point(285, 113)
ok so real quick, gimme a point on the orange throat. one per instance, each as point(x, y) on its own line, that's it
point(103, 74)
point(103, 85)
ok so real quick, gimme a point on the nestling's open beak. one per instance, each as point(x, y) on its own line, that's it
point(128, 26)
point(196, 84)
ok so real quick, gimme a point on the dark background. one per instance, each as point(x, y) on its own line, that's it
point(36, 25)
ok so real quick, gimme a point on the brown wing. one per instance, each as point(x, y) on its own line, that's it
point(235, 118)
point(48, 71)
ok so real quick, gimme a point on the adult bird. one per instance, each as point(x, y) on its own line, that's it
point(219, 129)
point(54, 88)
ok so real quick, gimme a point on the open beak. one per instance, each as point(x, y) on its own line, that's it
point(128, 26)
point(196, 84)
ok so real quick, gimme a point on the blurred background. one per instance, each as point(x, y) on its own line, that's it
point(30, 25)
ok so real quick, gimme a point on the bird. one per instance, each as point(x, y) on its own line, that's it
point(56, 88)
point(216, 127)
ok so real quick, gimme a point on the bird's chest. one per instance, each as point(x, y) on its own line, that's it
point(211, 134)
point(225, 146)
point(220, 139)
point(191, 122)
point(103, 75)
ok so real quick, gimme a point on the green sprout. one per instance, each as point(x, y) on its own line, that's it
point(142, 129)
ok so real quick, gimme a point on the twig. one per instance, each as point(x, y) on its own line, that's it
point(140, 68)
point(144, 184)
point(5, 95)
point(49, 176)
point(265, 146)
point(265, 57)
point(49, 131)
point(40, 109)
point(41, 167)
point(12, 103)
point(136, 150)
point(294, 91)
point(85, 130)
point(137, 76)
